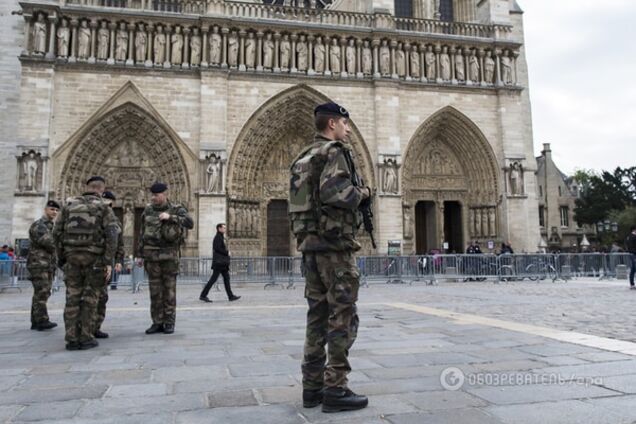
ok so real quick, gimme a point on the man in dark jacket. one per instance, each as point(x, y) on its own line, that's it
point(220, 265)
point(631, 248)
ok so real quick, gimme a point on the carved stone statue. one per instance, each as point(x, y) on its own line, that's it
point(103, 40)
point(301, 49)
point(473, 67)
point(84, 41)
point(400, 63)
point(63, 38)
point(367, 60)
point(30, 167)
point(129, 222)
point(516, 179)
point(390, 183)
point(431, 63)
point(176, 50)
point(478, 223)
point(160, 46)
point(415, 63)
point(350, 52)
point(231, 218)
point(121, 50)
point(459, 66)
point(408, 227)
point(385, 59)
point(489, 68)
point(268, 52)
point(214, 175)
point(250, 51)
point(506, 69)
point(285, 52)
point(484, 222)
point(215, 46)
point(445, 65)
point(195, 48)
point(141, 41)
point(39, 35)
point(334, 56)
point(471, 223)
point(492, 221)
point(232, 49)
point(319, 55)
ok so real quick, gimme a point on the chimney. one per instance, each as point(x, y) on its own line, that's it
point(547, 153)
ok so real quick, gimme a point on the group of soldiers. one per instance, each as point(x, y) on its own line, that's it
point(83, 238)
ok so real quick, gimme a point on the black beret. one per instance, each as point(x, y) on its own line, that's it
point(332, 109)
point(52, 204)
point(109, 195)
point(95, 178)
point(158, 188)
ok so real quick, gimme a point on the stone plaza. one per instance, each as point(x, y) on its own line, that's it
point(521, 352)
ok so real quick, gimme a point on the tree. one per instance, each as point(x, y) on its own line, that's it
point(604, 193)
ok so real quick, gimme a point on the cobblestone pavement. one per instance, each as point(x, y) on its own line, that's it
point(240, 362)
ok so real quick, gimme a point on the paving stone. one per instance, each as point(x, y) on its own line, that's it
point(257, 369)
point(235, 383)
point(232, 399)
point(601, 369)
point(50, 411)
point(285, 394)
point(620, 383)
point(140, 405)
point(443, 400)
point(563, 412)
point(174, 374)
point(602, 356)
point(458, 416)
point(623, 406)
point(270, 414)
point(9, 411)
point(138, 390)
point(26, 397)
point(69, 379)
point(501, 395)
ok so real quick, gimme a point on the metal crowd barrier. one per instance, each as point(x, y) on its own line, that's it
point(284, 272)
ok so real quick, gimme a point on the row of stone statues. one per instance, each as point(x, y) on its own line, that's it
point(483, 222)
point(174, 45)
point(243, 220)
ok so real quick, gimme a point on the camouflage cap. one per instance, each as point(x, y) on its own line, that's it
point(52, 204)
point(158, 188)
point(331, 109)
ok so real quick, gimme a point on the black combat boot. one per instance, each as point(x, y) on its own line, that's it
point(99, 334)
point(46, 325)
point(337, 399)
point(312, 398)
point(73, 346)
point(155, 328)
point(89, 344)
point(168, 328)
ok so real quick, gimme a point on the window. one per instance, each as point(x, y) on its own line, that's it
point(446, 10)
point(403, 8)
point(560, 192)
point(541, 216)
point(565, 216)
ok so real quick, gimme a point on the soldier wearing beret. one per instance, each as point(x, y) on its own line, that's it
point(322, 180)
point(85, 235)
point(109, 198)
point(163, 226)
point(41, 263)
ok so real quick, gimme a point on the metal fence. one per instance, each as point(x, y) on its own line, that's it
point(285, 272)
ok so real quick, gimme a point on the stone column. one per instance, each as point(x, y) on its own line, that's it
point(438, 69)
point(497, 58)
point(150, 46)
point(259, 51)
point(204, 46)
point(423, 63)
point(276, 52)
point(111, 52)
point(186, 48)
point(514, 56)
point(343, 57)
point(394, 74)
point(482, 79)
point(376, 62)
point(225, 32)
point(241, 58)
point(51, 53)
point(327, 42)
point(72, 58)
point(293, 38)
point(27, 35)
point(93, 25)
point(130, 61)
point(407, 62)
point(451, 53)
point(359, 73)
point(310, 55)
point(167, 63)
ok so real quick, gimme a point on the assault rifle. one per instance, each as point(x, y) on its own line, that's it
point(366, 206)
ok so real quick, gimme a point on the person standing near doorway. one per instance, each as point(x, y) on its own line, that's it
point(220, 266)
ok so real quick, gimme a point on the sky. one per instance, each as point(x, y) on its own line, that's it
point(582, 64)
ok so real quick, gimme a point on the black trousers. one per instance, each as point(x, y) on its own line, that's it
point(215, 276)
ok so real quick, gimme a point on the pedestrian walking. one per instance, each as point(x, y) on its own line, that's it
point(220, 266)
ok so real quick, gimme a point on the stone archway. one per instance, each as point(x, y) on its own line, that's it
point(131, 149)
point(450, 180)
point(258, 171)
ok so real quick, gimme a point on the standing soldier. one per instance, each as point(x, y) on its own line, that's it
point(163, 226)
point(109, 198)
point(86, 239)
point(324, 207)
point(41, 264)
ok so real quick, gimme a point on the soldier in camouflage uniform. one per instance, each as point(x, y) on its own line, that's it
point(41, 263)
point(323, 206)
point(109, 198)
point(163, 226)
point(86, 236)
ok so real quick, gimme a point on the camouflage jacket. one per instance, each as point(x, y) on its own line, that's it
point(119, 252)
point(42, 250)
point(153, 244)
point(94, 230)
point(337, 201)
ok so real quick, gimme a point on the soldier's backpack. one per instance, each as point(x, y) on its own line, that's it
point(83, 227)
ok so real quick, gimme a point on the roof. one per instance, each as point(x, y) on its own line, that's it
point(514, 7)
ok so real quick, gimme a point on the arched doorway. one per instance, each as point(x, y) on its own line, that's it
point(451, 185)
point(258, 170)
point(131, 149)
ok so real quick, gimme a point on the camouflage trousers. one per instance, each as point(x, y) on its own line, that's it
point(101, 306)
point(162, 282)
point(42, 280)
point(332, 283)
point(84, 277)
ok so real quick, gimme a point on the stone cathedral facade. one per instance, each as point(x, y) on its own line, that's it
point(216, 97)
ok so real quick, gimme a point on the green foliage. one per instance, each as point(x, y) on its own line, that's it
point(603, 194)
point(625, 219)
